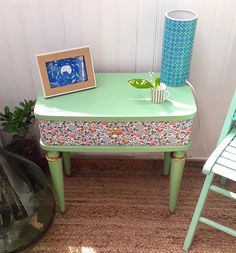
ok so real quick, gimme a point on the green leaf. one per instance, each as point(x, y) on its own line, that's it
point(20, 120)
point(32, 102)
point(9, 129)
point(6, 110)
point(157, 81)
point(140, 83)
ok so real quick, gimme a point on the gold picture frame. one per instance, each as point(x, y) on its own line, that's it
point(66, 71)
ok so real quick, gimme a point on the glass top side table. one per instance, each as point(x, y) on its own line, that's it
point(115, 117)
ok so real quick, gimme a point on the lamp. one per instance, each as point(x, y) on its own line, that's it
point(178, 40)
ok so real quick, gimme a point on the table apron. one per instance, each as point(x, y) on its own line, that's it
point(101, 133)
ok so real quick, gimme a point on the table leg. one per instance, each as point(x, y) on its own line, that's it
point(177, 167)
point(166, 168)
point(67, 165)
point(55, 166)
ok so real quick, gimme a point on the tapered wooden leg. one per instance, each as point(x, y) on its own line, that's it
point(55, 166)
point(198, 210)
point(176, 172)
point(166, 168)
point(67, 165)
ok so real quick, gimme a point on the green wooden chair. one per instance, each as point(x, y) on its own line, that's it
point(222, 162)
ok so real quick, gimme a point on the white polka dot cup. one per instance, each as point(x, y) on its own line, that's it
point(160, 94)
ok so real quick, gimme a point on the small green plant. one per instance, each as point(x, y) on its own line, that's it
point(144, 84)
point(19, 120)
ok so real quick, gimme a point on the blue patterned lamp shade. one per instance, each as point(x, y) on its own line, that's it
point(179, 33)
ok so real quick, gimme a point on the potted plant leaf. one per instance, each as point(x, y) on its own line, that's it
point(18, 122)
point(158, 89)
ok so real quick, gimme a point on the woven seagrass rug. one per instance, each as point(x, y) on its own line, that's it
point(120, 205)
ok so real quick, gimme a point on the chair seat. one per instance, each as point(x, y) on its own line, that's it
point(223, 160)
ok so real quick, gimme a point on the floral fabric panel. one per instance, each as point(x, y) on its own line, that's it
point(96, 133)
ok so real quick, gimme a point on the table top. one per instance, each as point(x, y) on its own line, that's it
point(114, 99)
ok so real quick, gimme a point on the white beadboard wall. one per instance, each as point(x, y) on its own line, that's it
point(125, 36)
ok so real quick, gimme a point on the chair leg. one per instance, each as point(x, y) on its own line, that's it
point(198, 210)
point(167, 160)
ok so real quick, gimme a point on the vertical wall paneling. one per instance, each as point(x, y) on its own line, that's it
point(15, 35)
point(213, 39)
point(228, 78)
point(53, 25)
point(162, 7)
point(89, 29)
point(199, 75)
point(109, 34)
point(128, 16)
point(146, 35)
point(32, 13)
point(222, 41)
point(158, 38)
point(8, 94)
point(73, 23)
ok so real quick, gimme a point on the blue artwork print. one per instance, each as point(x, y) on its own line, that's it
point(66, 71)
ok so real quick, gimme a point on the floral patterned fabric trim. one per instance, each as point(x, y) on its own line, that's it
point(97, 133)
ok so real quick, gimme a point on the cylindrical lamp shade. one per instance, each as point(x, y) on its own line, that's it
point(178, 39)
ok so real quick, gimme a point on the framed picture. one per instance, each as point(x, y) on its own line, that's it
point(66, 71)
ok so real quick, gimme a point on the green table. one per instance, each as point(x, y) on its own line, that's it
point(115, 117)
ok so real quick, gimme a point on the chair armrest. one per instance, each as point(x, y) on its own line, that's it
point(217, 152)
